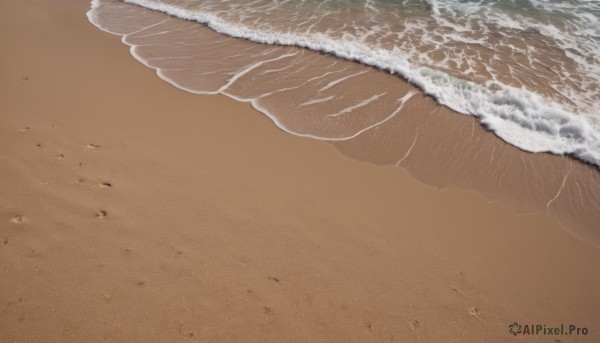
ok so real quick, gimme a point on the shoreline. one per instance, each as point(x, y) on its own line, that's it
point(457, 146)
point(416, 79)
point(150, 214)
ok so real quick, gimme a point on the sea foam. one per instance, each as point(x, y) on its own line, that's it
point(519, 116)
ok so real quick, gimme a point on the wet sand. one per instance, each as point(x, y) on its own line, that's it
point(369, 114)
point(133, 211)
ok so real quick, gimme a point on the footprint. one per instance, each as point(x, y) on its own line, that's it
point(474, 311)
point(26, 128)
point(80, 180)
point(105, 184)
point(35, 254)
point(93, 146)
point(18, 219)
point(273, 278)
point(60, 156)
point(415, 324)
point(101, 214)
point(37, 146)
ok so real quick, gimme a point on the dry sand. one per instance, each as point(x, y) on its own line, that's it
point(131, 211)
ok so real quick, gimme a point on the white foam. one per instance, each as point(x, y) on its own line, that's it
point(317, 101)
point(363, 103)
point(520, 117)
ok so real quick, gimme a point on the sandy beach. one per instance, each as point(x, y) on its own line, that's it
point(132, 211)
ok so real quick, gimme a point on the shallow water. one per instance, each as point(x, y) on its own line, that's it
point(530, 70)
point(374, 115)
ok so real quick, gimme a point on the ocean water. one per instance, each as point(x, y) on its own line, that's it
point(529, 70)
